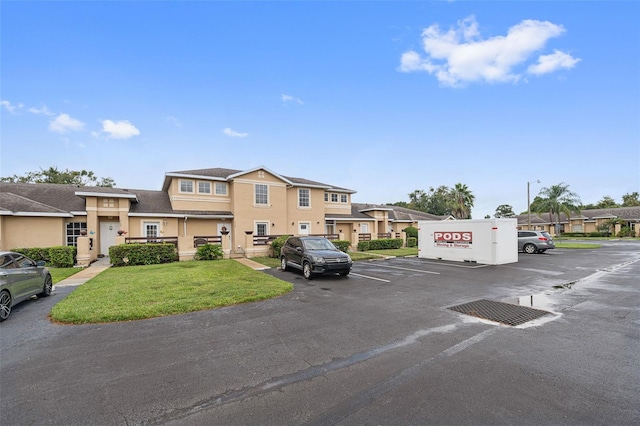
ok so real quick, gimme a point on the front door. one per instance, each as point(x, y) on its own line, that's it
point(304, 228)
point(226, 227)
point(108, 233)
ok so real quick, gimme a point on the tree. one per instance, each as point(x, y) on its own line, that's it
point(606, 203)
point(558, 199)
point(461, 200)
point(504, 210)
point(631, 200)
point(66, 177)
point(439, 201)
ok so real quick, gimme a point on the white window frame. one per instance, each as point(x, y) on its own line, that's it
point(301, 198)
point(343, 198)
point(221, 188)
point(258, 225)
point(146, 226)
point(326, 197)
point(207, 186)
point(185, 182)
point(255, 194)
point(108, 202)
point(364, 228)
point(334, 197)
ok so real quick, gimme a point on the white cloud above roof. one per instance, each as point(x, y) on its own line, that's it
point(10, 107)
point(460, 55)
point(119, 129)
point(64, 123)
point(232, 133)
point(289, 98)
point(41, 111)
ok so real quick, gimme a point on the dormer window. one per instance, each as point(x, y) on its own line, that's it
point(343, 198)
point(186, 186)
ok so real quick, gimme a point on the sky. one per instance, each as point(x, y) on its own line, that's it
point(382, 97)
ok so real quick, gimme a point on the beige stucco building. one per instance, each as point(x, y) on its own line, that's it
point(242, 210)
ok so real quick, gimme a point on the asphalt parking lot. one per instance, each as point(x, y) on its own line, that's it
point(378, 347)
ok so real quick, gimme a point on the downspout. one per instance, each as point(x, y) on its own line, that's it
point(185, 226)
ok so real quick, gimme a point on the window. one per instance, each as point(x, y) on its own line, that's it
point(304, 228)
point(334, 198)
point(204, 187)
point(221, 188)
point(326, 197)
point(261, 228)
point(150, 230)
point(262, 194)
point(303, 198)
point(186, 186)
point(6, 262)
point(343, 198)
point(108, 202)
point(577, 228)
point(73, 232)
point(364, 228)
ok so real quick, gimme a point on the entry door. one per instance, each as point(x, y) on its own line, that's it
point(304, 228)
point(228, 228)
point(108, 232)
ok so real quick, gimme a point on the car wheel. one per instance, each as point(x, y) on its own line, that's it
point(5, 305)
point(529, 249)
point(283, 264)
point(306, 270)
point(46, 289)
point(344, 274)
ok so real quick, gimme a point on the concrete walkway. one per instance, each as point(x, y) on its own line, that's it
point(105, 263)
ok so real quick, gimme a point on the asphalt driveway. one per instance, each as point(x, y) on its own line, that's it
point(377, 347)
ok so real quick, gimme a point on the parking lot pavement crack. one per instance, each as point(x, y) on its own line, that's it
point(310, 373)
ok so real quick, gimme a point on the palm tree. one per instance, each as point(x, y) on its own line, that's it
point(558, 199)
point(461, 201)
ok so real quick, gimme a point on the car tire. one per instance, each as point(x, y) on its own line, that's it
point(529, 249)
point(306, 271)
point(283, 264)
point(48, 286)
point(5, 305)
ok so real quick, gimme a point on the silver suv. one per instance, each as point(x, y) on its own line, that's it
point(535, 241)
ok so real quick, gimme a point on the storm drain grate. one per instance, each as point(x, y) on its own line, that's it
point(501, 312)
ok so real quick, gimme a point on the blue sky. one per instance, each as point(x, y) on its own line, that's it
point(380, 97)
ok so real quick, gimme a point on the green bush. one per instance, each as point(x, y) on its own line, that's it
point(363, 245)
point(597, 234)
point(412, 242)
point(277, 244)
point(209, 252)
point(625, 232)
point(342, 245)
point(62, 256)
point(142, 254)
point(57, 257)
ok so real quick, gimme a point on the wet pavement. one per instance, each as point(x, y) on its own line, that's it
point(378, 347)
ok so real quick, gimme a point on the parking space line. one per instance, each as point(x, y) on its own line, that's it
point(456, 266)
point(408, 269)
point(371, 278)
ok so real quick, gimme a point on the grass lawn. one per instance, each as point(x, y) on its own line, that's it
point(59, 274)
point(139, 292)
point(564, 245)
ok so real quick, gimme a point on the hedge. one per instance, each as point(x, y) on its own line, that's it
point(342, 245)
point(56, 257)
point(142, 254)
point(381, 244)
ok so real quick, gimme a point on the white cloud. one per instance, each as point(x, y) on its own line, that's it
point(227, 131)
point(289, 98)
point(460, 55)
point(550, 63)
point(41, 111)
point(119, 129)
point(64, 123)
point(9, 107)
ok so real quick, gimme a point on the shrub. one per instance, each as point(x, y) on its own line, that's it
point(277, 244)
point(412, 242)
point(209, 252)
point(57, 257)
point(625, 232)
point(342, 245)
point(412, 232)
point(598, 234)
point(142, 254)
point(363, 245)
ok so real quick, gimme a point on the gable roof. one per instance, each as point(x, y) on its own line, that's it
point(396, 214)
point(228, 175)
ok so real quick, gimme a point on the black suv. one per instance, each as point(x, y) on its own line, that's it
point(314, 255)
